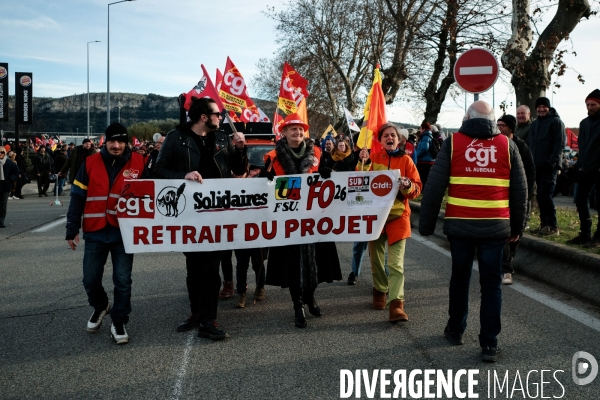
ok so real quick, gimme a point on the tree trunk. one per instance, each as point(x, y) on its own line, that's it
point(434, 98)
point(530, 76)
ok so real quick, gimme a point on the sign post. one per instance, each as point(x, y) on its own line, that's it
point(476, 71)
point(23, 100)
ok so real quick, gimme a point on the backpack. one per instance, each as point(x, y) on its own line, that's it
point(434, 147)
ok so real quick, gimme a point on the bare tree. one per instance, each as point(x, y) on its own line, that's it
point(408, 17)
point(530, 68)
point(461, 25)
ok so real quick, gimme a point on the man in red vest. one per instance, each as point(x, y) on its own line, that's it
point(487, 201)
point(94, 195)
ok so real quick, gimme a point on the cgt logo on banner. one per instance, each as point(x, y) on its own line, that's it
point(179, 215)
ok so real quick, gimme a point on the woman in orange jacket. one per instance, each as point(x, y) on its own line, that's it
point(397, 227)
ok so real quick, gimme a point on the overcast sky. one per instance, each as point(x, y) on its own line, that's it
point(157, 46)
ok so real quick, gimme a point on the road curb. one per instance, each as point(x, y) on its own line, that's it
point(571, 270)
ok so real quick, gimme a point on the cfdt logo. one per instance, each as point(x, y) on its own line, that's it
point(287, 188)
point(171, 201)
point(381, 185)
point(584, 368)
point(25, 81)
point(3, 73)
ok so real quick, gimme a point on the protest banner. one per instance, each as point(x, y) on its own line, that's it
point(219, 214)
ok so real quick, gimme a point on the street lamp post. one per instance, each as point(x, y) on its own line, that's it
point(88, 85)
point(108, 64)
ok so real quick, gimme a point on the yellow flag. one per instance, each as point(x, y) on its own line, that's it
point(375, 115)
point(303, 113)
point(329, 131)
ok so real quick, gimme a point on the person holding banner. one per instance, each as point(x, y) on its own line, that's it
point(94, 195)
point(197, 150)
point(299, 267)
point(397, 227)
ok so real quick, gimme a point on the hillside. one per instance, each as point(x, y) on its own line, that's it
point(69, 114)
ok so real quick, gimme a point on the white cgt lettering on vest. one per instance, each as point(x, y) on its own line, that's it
point(481, 155)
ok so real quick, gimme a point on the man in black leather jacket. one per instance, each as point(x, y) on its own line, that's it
point(195, 151)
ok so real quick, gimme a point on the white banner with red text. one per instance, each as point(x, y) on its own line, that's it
point(219, 214)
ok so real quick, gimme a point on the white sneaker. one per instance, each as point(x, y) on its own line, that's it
point(507, 279)
point(119, 333)
point(96, 319)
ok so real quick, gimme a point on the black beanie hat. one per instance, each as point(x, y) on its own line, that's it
point(542, 101)
point(595, 95)
point(86, 140)
point(510, 121)
point(116, 131)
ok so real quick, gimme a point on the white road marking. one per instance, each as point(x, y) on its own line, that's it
point(47, 227)
point(487, 70)
point(182, 370)
point(571, 312)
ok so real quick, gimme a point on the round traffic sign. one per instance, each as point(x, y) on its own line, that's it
point(476, 70)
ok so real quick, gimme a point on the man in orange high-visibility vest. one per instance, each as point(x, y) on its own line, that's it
point(487, 200)
point(94, 195)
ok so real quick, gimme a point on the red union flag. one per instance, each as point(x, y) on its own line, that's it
point(253, 114)
point(204, 88)
point(219, 80)
point(292, 90)
point(233, 89)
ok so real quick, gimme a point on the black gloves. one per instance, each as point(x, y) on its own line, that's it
point(325, 172)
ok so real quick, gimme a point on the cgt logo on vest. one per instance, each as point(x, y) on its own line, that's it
point(137, 200)
point(381, 185)
point(482, 156)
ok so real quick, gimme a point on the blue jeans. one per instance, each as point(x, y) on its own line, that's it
point(546, 181)
point(60, 182)
point(243, 258)
point(358, 252)
point(97, 247)
point(489, 256)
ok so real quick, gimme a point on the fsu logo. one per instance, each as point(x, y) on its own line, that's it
point(171, 201)
point(25, 81)
point(287, 188)
point(3, 73)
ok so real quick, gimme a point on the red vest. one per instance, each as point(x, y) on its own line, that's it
point(479, 178)
point(101, 201)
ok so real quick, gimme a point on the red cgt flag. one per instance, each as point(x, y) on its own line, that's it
point(292, 90)
point(233, 89)
point(204, 88)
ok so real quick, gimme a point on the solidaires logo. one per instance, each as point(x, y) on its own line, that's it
point(171, 201)
point(3, 73)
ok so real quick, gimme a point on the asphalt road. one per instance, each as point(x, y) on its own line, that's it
point(46, 352)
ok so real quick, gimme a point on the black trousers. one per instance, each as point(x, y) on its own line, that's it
point(43, 182)
point(587, 181)
point(203, 282)
point(227, 265)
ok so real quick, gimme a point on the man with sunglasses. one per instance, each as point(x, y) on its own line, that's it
point(197, 150)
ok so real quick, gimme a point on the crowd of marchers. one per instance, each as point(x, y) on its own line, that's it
point(489, 171)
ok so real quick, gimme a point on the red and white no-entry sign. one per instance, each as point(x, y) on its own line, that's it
point(476, 70)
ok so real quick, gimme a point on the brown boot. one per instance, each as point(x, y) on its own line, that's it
point(227, 290)
point(378, 300)
point(397, 311)
point(259, 294)
point(242, 301)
